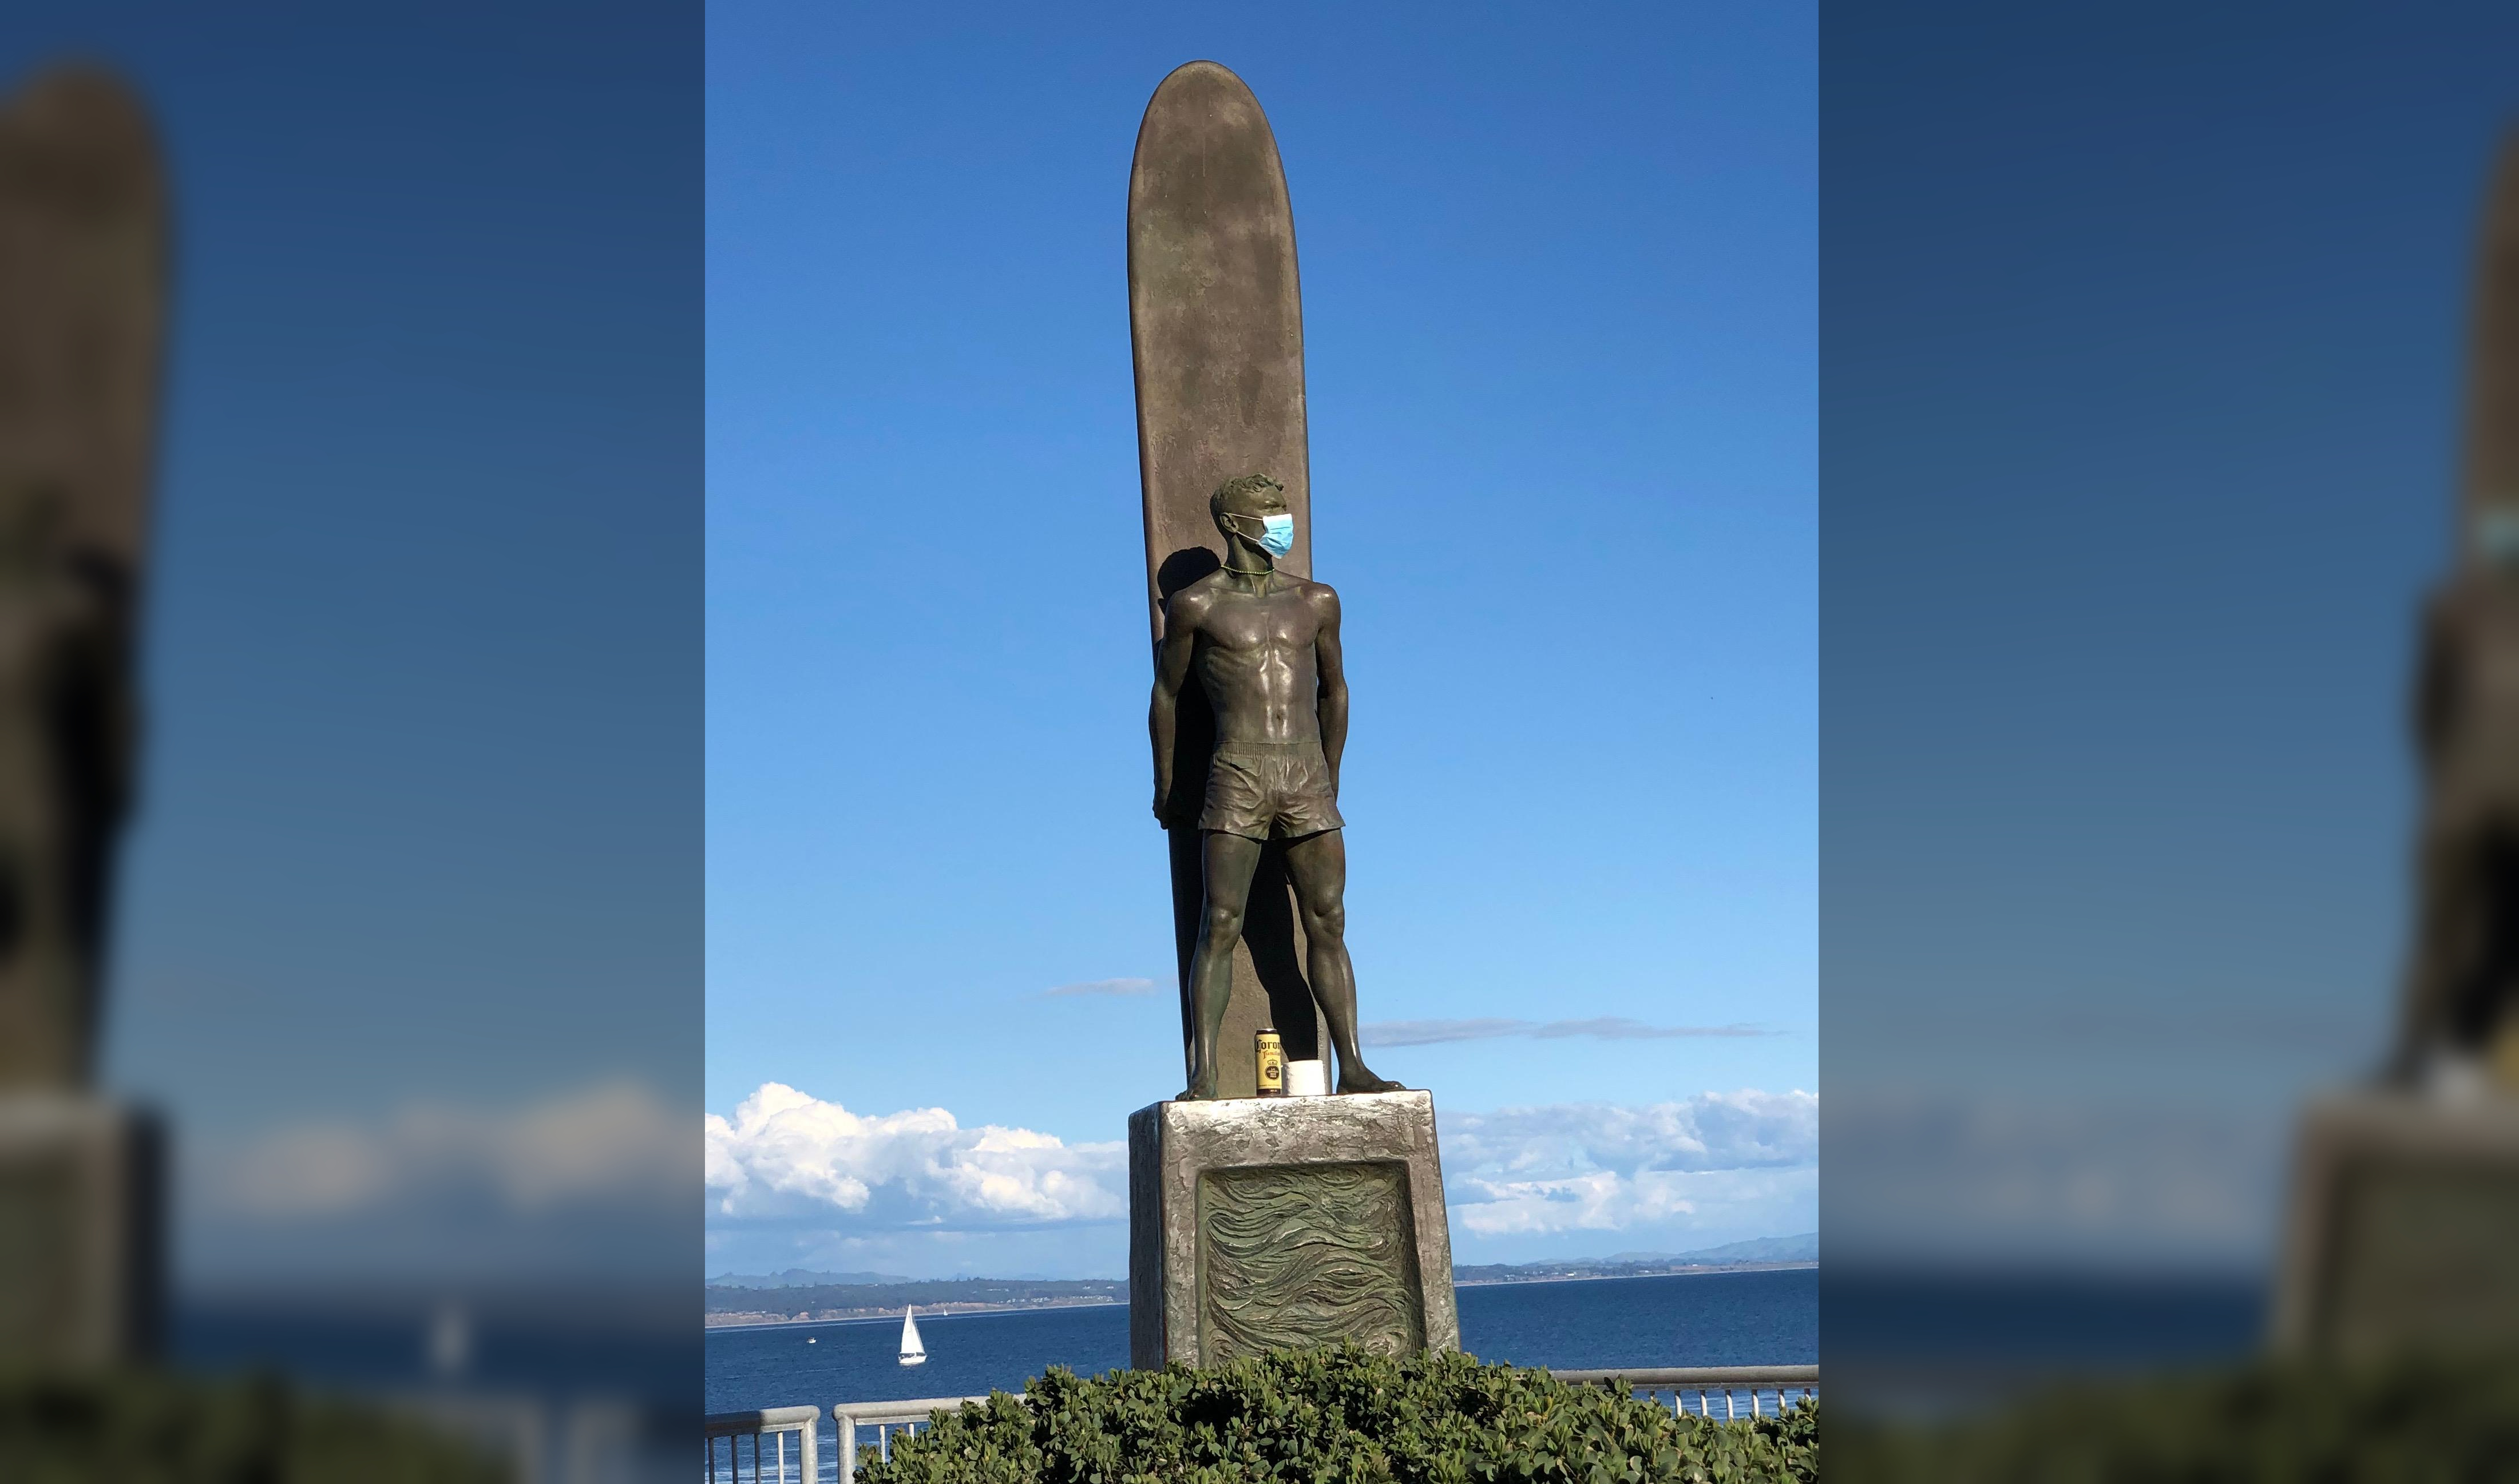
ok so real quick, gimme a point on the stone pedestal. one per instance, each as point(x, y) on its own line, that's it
point(2402, 1210)
point(1260, 1223)
point(79, 1231)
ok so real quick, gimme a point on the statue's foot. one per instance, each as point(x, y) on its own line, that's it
point(1362, 1079)
point(1192, 1094)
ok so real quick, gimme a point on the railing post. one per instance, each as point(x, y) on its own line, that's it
point(809, 1446)
point(847, 1426)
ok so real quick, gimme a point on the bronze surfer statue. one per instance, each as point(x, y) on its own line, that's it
point(1264, 646)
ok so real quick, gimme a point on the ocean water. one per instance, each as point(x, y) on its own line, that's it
point(2043, 1323)
point(1941, 1343)
point(1708, 1319)
point(559, 1358)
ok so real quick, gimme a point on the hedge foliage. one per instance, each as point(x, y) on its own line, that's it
point(1342, 1416)
point(2416, 1422)
point(152, 1428)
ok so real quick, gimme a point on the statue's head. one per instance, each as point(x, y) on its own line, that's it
point(1253, 507)
point(2495, 537)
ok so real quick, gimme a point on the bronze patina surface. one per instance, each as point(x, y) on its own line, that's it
point(2461, 991)
point(83, 269)
point(1307, 1254)
point(2405, 1195)
point(1256, 1222)
point(1264, 649)
point(2399, 1231)
point(1215, 324)
point(83, 244)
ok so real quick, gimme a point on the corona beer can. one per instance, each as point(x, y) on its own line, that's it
point(1272, 1066)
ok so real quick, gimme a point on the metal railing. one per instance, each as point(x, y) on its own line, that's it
point(776, 1426)
point(542, 1442)
point(884, 1418)
point(1771, 1389)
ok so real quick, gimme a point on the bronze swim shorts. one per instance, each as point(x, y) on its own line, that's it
point(1255, 787)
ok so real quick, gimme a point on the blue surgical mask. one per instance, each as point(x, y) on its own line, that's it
point(1277, 533)
point(2496, 535)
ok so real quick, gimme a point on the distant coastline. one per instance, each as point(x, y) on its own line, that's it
point(733, 1319)
point(738, 1301)
point(1690, 1270)
point(747, 1306)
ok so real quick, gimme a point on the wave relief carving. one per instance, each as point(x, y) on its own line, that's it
point(1307, 1254)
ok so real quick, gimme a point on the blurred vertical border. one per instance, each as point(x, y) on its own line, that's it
point(2146, 355)
point(406, 934)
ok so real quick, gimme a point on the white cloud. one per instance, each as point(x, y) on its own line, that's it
point(607, 1145)
point(789, 1172)
point(789, 1157)
point(1599, 1028)
point(1588, 1166)
point(1712, 1131)
point(1932, 1177)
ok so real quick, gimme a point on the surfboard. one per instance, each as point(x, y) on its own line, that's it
point(1215, 320)
point(2492, 473)
point(84, 235)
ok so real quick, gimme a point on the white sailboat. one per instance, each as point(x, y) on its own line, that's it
point(914, 1350)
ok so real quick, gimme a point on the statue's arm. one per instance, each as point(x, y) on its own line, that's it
point(1171, 671)
point(1330, 662)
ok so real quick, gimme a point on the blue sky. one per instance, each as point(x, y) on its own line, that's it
point(2144, 348)
point(2144, 354)
point(410, 925)
point(1560, 303)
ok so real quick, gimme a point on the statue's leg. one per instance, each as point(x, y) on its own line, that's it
point(2497, 959)
point(1316, 867)
point(1230, 861)
point(2445, 943)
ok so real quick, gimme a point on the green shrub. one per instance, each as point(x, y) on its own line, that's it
point(2417, 1422)
point(152, 1428)
point(1342, 1416)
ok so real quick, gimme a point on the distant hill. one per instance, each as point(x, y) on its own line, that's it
point(798, 1293)
point(798, 1278)
point(1757, 1253)
point(842, 1300)
point(1803, 1248)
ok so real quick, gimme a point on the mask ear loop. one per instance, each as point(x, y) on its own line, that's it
point(1261, 573)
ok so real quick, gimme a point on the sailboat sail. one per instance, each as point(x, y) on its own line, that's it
point(914, 1350)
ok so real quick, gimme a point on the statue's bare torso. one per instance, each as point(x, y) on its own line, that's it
point(1264, 646)
point(1256, 654)
point(2463, 987)
point(2468, 706)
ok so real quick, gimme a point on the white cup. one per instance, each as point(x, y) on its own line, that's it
point(1308, 1080)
